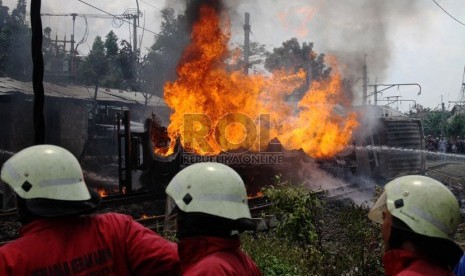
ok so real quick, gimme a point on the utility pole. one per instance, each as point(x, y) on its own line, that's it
point(133, 14)
point(462, 88)
point(442, 117)
point(134, 28)
point(72, 52)
point(365, 82)
point(246, 43)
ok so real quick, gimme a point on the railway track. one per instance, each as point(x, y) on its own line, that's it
point(445, 172)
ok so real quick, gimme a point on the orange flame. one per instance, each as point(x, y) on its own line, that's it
point(228, 111)
point(257, 195)
point(102, 192)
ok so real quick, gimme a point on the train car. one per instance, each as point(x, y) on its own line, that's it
point(388, 144)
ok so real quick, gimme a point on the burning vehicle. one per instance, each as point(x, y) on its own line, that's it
point(247, 121)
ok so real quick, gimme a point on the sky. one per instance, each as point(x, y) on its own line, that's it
point(404, 42)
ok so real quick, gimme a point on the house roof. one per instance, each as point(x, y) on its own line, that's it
point(10, 86)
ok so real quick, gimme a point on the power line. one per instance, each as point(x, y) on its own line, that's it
point(451, 16)
point(117, 17)
point(150, 5)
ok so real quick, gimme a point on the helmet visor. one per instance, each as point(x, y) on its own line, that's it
point(376, 212)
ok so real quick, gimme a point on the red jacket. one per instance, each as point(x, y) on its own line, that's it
point(215, 256)
point(107, 244)
point(399, 262)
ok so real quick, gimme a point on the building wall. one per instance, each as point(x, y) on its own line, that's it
point(65, 123)
point(73, 124)
point(16, 123)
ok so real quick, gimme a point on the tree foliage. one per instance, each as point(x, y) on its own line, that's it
point(434, 122)
point(111, 45)
point(15, 40)
point(128, 65)
point(96, 65)
point(456, 126)
point(292, 56)
point(257, 56)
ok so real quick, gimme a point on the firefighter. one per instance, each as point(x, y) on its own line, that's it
point(209, 203)
point(61, 236)
point(420, 217)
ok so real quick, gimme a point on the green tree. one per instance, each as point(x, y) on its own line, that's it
point(96, 65)
point(113, 76)
point(19, 14)
point(456, 126)
point(15, 40)
point(257, 56)
point(292, 56)
point(111, 45)
point(4, 42)
point(434, 122)
point(128, 64)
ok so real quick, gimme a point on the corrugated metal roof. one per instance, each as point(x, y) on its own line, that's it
point(10, 86)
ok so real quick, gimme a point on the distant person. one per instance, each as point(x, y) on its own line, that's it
point(430, 143)
point(453, 145)
point(420, 217)
point(209, 202)
point(460, 148)
point(61, 236)
point(442, 146)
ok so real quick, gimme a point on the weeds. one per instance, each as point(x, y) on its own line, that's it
point(315, 236)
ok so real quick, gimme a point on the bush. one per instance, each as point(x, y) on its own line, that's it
point(315, 236)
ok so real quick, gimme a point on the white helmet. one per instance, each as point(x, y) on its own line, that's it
point(424, 204)
point(210, 188)
point(45, 175)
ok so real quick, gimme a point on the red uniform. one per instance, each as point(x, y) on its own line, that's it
point(399, 262)
point(215, 256)
point(107, 244)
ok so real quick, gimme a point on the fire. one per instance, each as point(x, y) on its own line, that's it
point(257, 195)
point(218, 110)
point(102, 192)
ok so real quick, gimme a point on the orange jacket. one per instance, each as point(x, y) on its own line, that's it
point(107, 244)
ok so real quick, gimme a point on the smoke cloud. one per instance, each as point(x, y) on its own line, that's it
point(349, 30)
